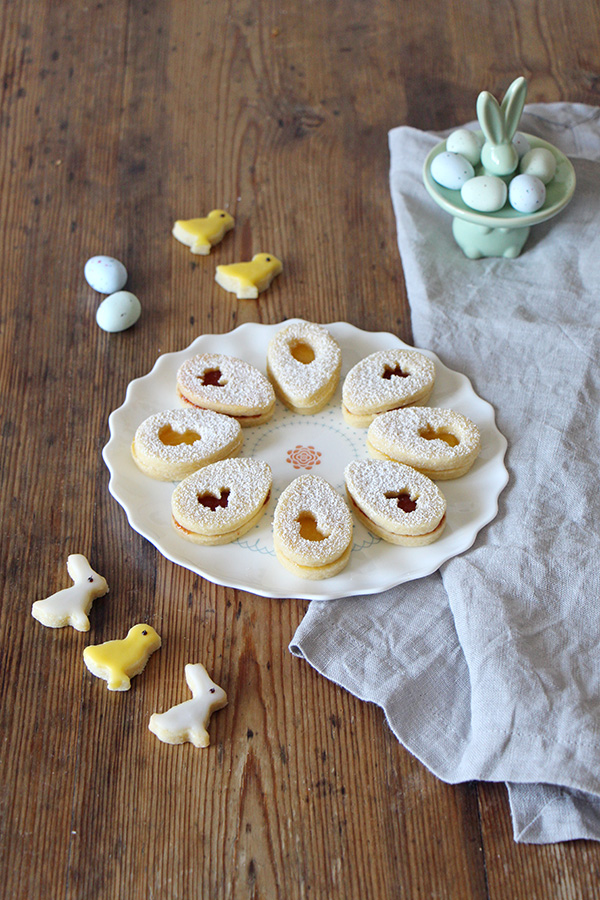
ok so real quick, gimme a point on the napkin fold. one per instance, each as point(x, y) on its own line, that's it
point(490, 669)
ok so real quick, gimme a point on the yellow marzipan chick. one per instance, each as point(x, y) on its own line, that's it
point(200, 235)
point(247, 279)
point(118, 661)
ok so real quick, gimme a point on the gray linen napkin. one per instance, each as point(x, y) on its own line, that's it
point(490, 669)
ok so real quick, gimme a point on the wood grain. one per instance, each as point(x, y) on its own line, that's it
point(116, 119)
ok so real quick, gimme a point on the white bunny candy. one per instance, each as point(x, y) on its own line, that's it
point(72, 605)
point(188, 720)
point(499, 123)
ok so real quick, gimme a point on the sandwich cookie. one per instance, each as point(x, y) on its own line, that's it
point(395, 502)
point(222, 501)
point(303, 364)
point(172, 444)
point(226, 385)
point(312, 529)
point(441, 443)
point(387, 379)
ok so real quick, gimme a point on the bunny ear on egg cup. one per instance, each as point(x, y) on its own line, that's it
point(499, 123)
point(512, 105)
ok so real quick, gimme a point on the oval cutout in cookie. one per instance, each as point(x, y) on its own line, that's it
point(430, 434)
point(302, 352)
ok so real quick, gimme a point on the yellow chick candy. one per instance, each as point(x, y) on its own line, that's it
point(200, 235)
point(246, 279)
point(118, 661)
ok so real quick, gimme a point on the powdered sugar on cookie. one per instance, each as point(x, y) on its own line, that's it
point(385, 380)
point(312, 526)
point(442, 443)
point(172, 444)
point(304, 362)
point(228, 385)
point(378, 486)
point(223, 500)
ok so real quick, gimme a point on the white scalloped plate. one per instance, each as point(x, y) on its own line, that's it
point(292, 445)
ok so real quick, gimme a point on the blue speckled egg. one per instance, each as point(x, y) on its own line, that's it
point(485, 193)
point(451, 170)
point(539, 162)
point(526, 193)
point(105, 274)
point(118, 312)
point(521, 144)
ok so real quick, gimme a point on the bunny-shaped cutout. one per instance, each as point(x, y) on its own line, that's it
point(499, 123)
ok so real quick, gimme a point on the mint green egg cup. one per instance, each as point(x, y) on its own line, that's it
point(502, 233)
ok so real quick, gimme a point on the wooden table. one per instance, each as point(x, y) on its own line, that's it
point(118, 118)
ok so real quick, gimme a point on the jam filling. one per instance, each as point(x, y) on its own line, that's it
point(302, 352)
point(238, 417)
point(172, 438)
point(430, 434)
point(308, 527)
point(388, 372)
point(403, 499)
point(212, 377)
point(211, 502)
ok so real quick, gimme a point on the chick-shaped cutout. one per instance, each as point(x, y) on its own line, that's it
point(118, 661)
point(201, 235)
point(188, 721)
point(247, 279)
point(72, 605)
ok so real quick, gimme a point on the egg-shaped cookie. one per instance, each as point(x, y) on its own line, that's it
point(172, 444)
point(303, 364)
point(222, 501)
point(387, 379)
point(312, 528)
point(395, 502)
point(227, 385)
point(441, 443)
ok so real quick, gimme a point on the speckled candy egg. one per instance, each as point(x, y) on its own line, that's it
point(521, 144)
point(485, 193)
point(526, 193)
point(466, 143)
point(539, 162)
point(118, 312)
point(105, 274)
point(451, 170)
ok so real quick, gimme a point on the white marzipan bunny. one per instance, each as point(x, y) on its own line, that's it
point(72, 605)
point(189, 720)
point(499, 123)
